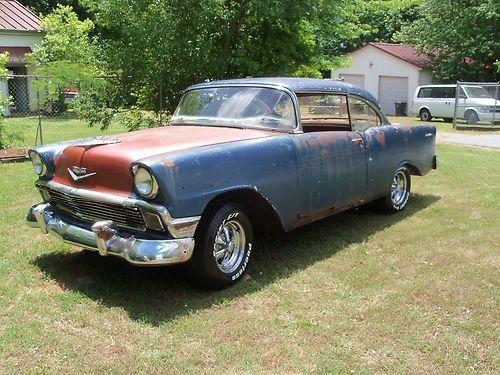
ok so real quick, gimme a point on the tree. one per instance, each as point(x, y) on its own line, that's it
point(67, 57)
point(179, 42)
point(462, 36)
point(45, 7)
point(383, 19)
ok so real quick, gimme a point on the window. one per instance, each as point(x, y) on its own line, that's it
point(323, 112)
point(425, 92)
point(443, 92)
point(363, 116)
point(246, 107)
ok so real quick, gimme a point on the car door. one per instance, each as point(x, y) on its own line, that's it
point(385, 146)
point(331, 158)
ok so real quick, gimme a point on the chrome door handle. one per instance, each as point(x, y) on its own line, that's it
point(357, 140)
point(428, 135)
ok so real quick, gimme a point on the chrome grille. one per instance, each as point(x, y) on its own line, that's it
point(90, 210)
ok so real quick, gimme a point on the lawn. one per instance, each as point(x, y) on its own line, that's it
point(360, 292)
point(440, 125)
point(54, 129)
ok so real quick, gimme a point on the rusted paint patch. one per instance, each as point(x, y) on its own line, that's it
point(380, 136)
point(168, 163)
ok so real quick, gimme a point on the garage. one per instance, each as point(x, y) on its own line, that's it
point(355, 79)
point(392, 90)
point(391, 72)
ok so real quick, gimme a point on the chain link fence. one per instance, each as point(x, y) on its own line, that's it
point(477, 104)
point(43, 99)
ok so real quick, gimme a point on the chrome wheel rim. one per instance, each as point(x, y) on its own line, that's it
point(229, 246)
point(399, 189)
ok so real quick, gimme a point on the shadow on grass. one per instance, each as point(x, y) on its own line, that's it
point(157, 295)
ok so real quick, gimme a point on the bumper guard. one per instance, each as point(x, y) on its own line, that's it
point(105, 239)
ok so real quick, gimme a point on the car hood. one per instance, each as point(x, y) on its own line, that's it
point(104, 162)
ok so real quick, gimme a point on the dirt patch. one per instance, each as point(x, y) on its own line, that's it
point(13, 154)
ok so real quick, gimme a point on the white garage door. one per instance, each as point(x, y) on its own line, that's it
point(390, 91)
point(355, 79)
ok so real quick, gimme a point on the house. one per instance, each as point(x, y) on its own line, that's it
point(389, 71)
point(20, 32)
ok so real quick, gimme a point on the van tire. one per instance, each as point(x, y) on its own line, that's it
point(425, 115)
point(471, 117)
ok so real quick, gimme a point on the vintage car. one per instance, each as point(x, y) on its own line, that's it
point(236, 155)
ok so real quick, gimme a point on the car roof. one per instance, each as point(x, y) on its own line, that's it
point(444, 85)
point(297, 85)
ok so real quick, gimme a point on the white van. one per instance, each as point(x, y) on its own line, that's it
point(474, 103)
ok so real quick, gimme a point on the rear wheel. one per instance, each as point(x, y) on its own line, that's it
point(399, 194)
point(425, 115)
point(223, 245)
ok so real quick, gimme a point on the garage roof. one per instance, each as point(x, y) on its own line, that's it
point(408, 54)
point(15, 16)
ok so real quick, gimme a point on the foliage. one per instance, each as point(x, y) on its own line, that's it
point(4, 57)
point(177, 43)
point(463, 36)
point(45, 7)
point(384, 19)
point(67, 57)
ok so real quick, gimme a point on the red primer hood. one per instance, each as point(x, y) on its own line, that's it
point(111, 162)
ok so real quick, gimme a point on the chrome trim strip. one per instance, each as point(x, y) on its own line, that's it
point(105, 239)
point(178, 227)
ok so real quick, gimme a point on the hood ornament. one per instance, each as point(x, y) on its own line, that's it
point(79, 173)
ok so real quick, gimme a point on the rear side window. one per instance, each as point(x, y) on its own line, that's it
point(425, 92)
point(324, 112)
point(363, 116)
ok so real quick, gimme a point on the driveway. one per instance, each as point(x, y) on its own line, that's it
point(486, 140)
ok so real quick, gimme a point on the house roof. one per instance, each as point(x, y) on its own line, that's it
point(15, 16)
point(408, 54)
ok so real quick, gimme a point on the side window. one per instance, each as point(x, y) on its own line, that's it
point(461, 94)
point(363, 116)
point(323, 112)
point(425, 92)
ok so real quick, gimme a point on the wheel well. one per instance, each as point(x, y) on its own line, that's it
point(413, 169)
point(261, 213)
point(423, 109)
point(468, 111)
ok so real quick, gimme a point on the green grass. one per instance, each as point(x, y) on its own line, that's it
point(440, 125)
point(54, 129)
point(359, 292)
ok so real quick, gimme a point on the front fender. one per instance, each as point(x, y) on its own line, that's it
point(190, 179)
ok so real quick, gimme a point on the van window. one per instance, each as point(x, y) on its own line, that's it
point(443, 92)
point(425, 92)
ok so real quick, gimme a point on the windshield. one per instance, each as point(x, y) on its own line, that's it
point(477, 92)
point(243, 107)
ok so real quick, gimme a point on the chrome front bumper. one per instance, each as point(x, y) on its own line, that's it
point(105, 239)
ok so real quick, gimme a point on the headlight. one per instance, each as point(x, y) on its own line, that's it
point(38, 165)
point(145, 184)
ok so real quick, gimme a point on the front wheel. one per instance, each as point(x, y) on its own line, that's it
point(223, 245)
point(399, 194)
point(471, 117)
point(425, 115)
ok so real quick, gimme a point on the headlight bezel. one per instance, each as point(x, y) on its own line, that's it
point(143, 177)
point(39, 166)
